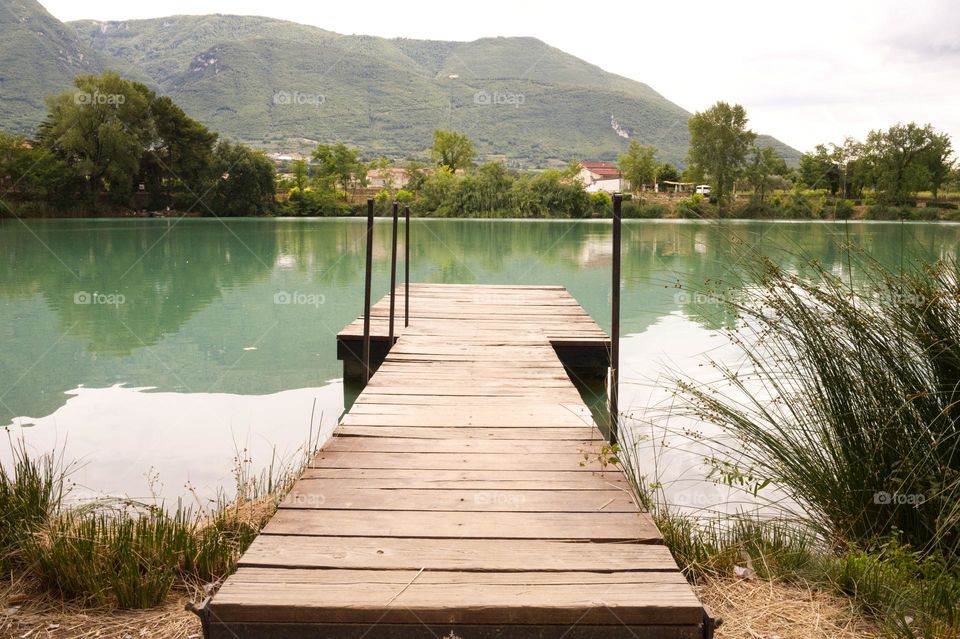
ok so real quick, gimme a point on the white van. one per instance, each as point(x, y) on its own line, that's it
point(703, 189)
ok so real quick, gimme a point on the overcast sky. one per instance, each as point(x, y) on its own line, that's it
point(807, 72)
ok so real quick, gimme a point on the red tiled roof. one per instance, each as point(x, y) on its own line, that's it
point(603, 169)
point(599, 165)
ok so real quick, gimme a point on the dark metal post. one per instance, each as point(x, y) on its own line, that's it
point(406, 267)
point(366, 293)
point(393, 273)
point(615, 324)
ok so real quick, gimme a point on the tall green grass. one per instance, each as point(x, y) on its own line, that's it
point(118, 553)
point(847, 402)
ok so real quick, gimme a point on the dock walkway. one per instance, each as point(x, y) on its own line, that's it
point(465, 494)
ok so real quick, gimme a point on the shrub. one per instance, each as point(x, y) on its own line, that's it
point(601, 204)
point(637, 210)
point(691, 207)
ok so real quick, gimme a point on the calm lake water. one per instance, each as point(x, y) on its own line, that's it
point(162, 348)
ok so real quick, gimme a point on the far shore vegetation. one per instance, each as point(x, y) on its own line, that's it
point(112, 147)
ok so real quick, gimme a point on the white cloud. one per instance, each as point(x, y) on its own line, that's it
point(807, 73)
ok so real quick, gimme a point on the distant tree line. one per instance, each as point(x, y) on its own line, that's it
point(113, 143)
point(894, 164)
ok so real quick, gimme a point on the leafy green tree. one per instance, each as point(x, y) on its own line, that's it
point(416, 176)
point(340, 166)
point(103, 129)
point(301, 174)
point(245, 181)
point(719, 143)
point(550, 194)
point(939, 159)
point(32, 173)
point(899, 160)
point(639, 165)
point(452, 150)
point(762, 165)
point(820, 169)
point(180, 157)
point(668, 172)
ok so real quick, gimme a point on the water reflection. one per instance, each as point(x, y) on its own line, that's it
point(240, 312)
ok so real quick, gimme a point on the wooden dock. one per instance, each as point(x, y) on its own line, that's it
point(464, 494)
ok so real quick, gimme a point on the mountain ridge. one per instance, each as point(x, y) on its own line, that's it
point(281, 85)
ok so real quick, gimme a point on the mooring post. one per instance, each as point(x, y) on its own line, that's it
point(615, 325)
point(366, 293)
point(393, 273)
point(406, 266)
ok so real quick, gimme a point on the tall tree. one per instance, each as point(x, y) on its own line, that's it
point(452, 150)
point(103, 128)
point(719, 143)
point(939, 159)
point(668, 172)
point(639, 165)
point(340, 166)
point(245, 181)
point(761, 167)
point(181, 154)
point(898, 159)
point(820, 169)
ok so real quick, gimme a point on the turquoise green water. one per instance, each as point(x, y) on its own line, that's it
point(167, 345)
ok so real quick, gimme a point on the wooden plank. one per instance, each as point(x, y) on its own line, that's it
point(400, 596)
point(254, 630)
point(529, 479)
point(455, 461)
point(469, 432)
point(450, 445)
point(397, 553)
point(312, 495)
point(603, 526)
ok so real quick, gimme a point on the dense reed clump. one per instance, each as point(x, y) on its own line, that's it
point(30, 490)
point(849, 400)
point(118, 553)
point(846, 402)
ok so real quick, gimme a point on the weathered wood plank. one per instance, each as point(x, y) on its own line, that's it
point(396, 553)
point(603, 526)
point(358, 596)
point(311, 495)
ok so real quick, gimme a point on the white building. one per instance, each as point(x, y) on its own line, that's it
point(600, 176)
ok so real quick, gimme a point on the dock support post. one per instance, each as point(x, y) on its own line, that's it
point(366, 294)
point(406, 266)
point(393, 274)
point(615, 325)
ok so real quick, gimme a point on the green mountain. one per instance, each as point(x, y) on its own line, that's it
point(285, 86)
point(40, 55)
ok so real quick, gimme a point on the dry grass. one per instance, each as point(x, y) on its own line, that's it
point(761, 609)
point(750, 609)
point(24, 616)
